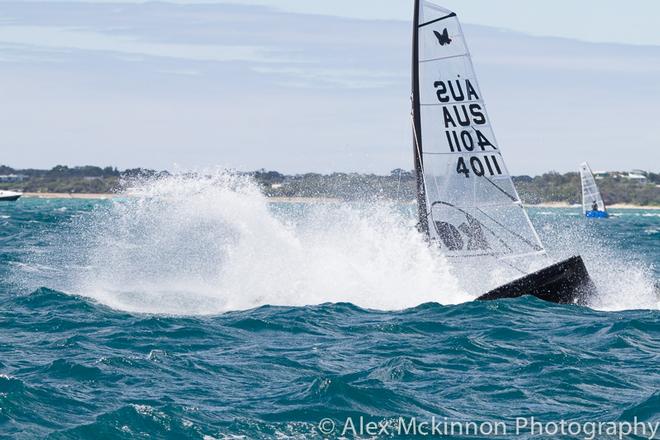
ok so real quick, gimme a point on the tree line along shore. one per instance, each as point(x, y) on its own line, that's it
point(548, 188)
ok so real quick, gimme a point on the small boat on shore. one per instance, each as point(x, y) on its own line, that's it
point(9, 196)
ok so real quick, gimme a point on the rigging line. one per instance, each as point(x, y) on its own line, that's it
point(492, 255)
point(529, 243)
point(495, 256)
point(502, 242)
point(512, 266)
point(487, 254)
point(501, 190)
point(459, 153)
point(528, 254)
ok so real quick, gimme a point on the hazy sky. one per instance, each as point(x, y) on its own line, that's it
point(304, 85)
point(632, 22)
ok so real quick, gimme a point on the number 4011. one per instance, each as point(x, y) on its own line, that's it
point(476, 165)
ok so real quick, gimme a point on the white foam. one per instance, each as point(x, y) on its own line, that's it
point(625, 291)
point(189, 245)
point(624, 282)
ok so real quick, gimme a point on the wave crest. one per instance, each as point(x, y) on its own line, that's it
point(204, 245)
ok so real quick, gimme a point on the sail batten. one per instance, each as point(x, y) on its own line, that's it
point(443, 58)
point(432, 153)
point(470, 205)
point(438, 19)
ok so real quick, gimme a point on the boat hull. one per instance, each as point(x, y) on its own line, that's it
point(566, 282)
point(11, 198)
point(596, 214)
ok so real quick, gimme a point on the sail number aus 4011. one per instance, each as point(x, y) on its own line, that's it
point(479, 166)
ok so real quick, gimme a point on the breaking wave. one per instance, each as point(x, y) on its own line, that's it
point(191, 245)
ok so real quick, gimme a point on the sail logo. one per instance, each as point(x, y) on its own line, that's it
point(443, 38)
point(468, 236)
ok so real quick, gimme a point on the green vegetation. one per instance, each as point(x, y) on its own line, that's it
point(62, 179)
point(615, 188)
point(398, 185)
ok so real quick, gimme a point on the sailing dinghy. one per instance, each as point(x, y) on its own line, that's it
point(467, 203)
point(592, 203)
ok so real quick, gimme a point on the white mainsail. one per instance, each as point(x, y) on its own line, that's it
point(468, 203)
point(590, 194)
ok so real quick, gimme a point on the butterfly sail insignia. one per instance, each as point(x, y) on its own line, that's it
point(468, 203)
point(443, 38)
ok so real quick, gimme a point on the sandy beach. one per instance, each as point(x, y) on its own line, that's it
point(566, 205)
point(106, 196)
point(68, 196)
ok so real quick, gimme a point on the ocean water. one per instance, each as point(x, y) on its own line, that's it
point(196, 309)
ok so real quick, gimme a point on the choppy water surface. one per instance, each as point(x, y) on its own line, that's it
point(191, 310)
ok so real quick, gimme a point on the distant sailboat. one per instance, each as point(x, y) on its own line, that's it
point(9, 196)
point(592, 203)
point(467, 203)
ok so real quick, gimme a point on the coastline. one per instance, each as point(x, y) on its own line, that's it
point(107, 196)
point(39, 195)
point(564, 205)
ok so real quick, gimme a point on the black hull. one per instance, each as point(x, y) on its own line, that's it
point(566, 282)
point(10, 198)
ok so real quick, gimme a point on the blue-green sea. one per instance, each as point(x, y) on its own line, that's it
point(220, 316)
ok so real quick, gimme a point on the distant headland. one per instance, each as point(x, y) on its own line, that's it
point(625, 188)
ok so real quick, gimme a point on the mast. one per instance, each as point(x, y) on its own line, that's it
point(423, 224)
